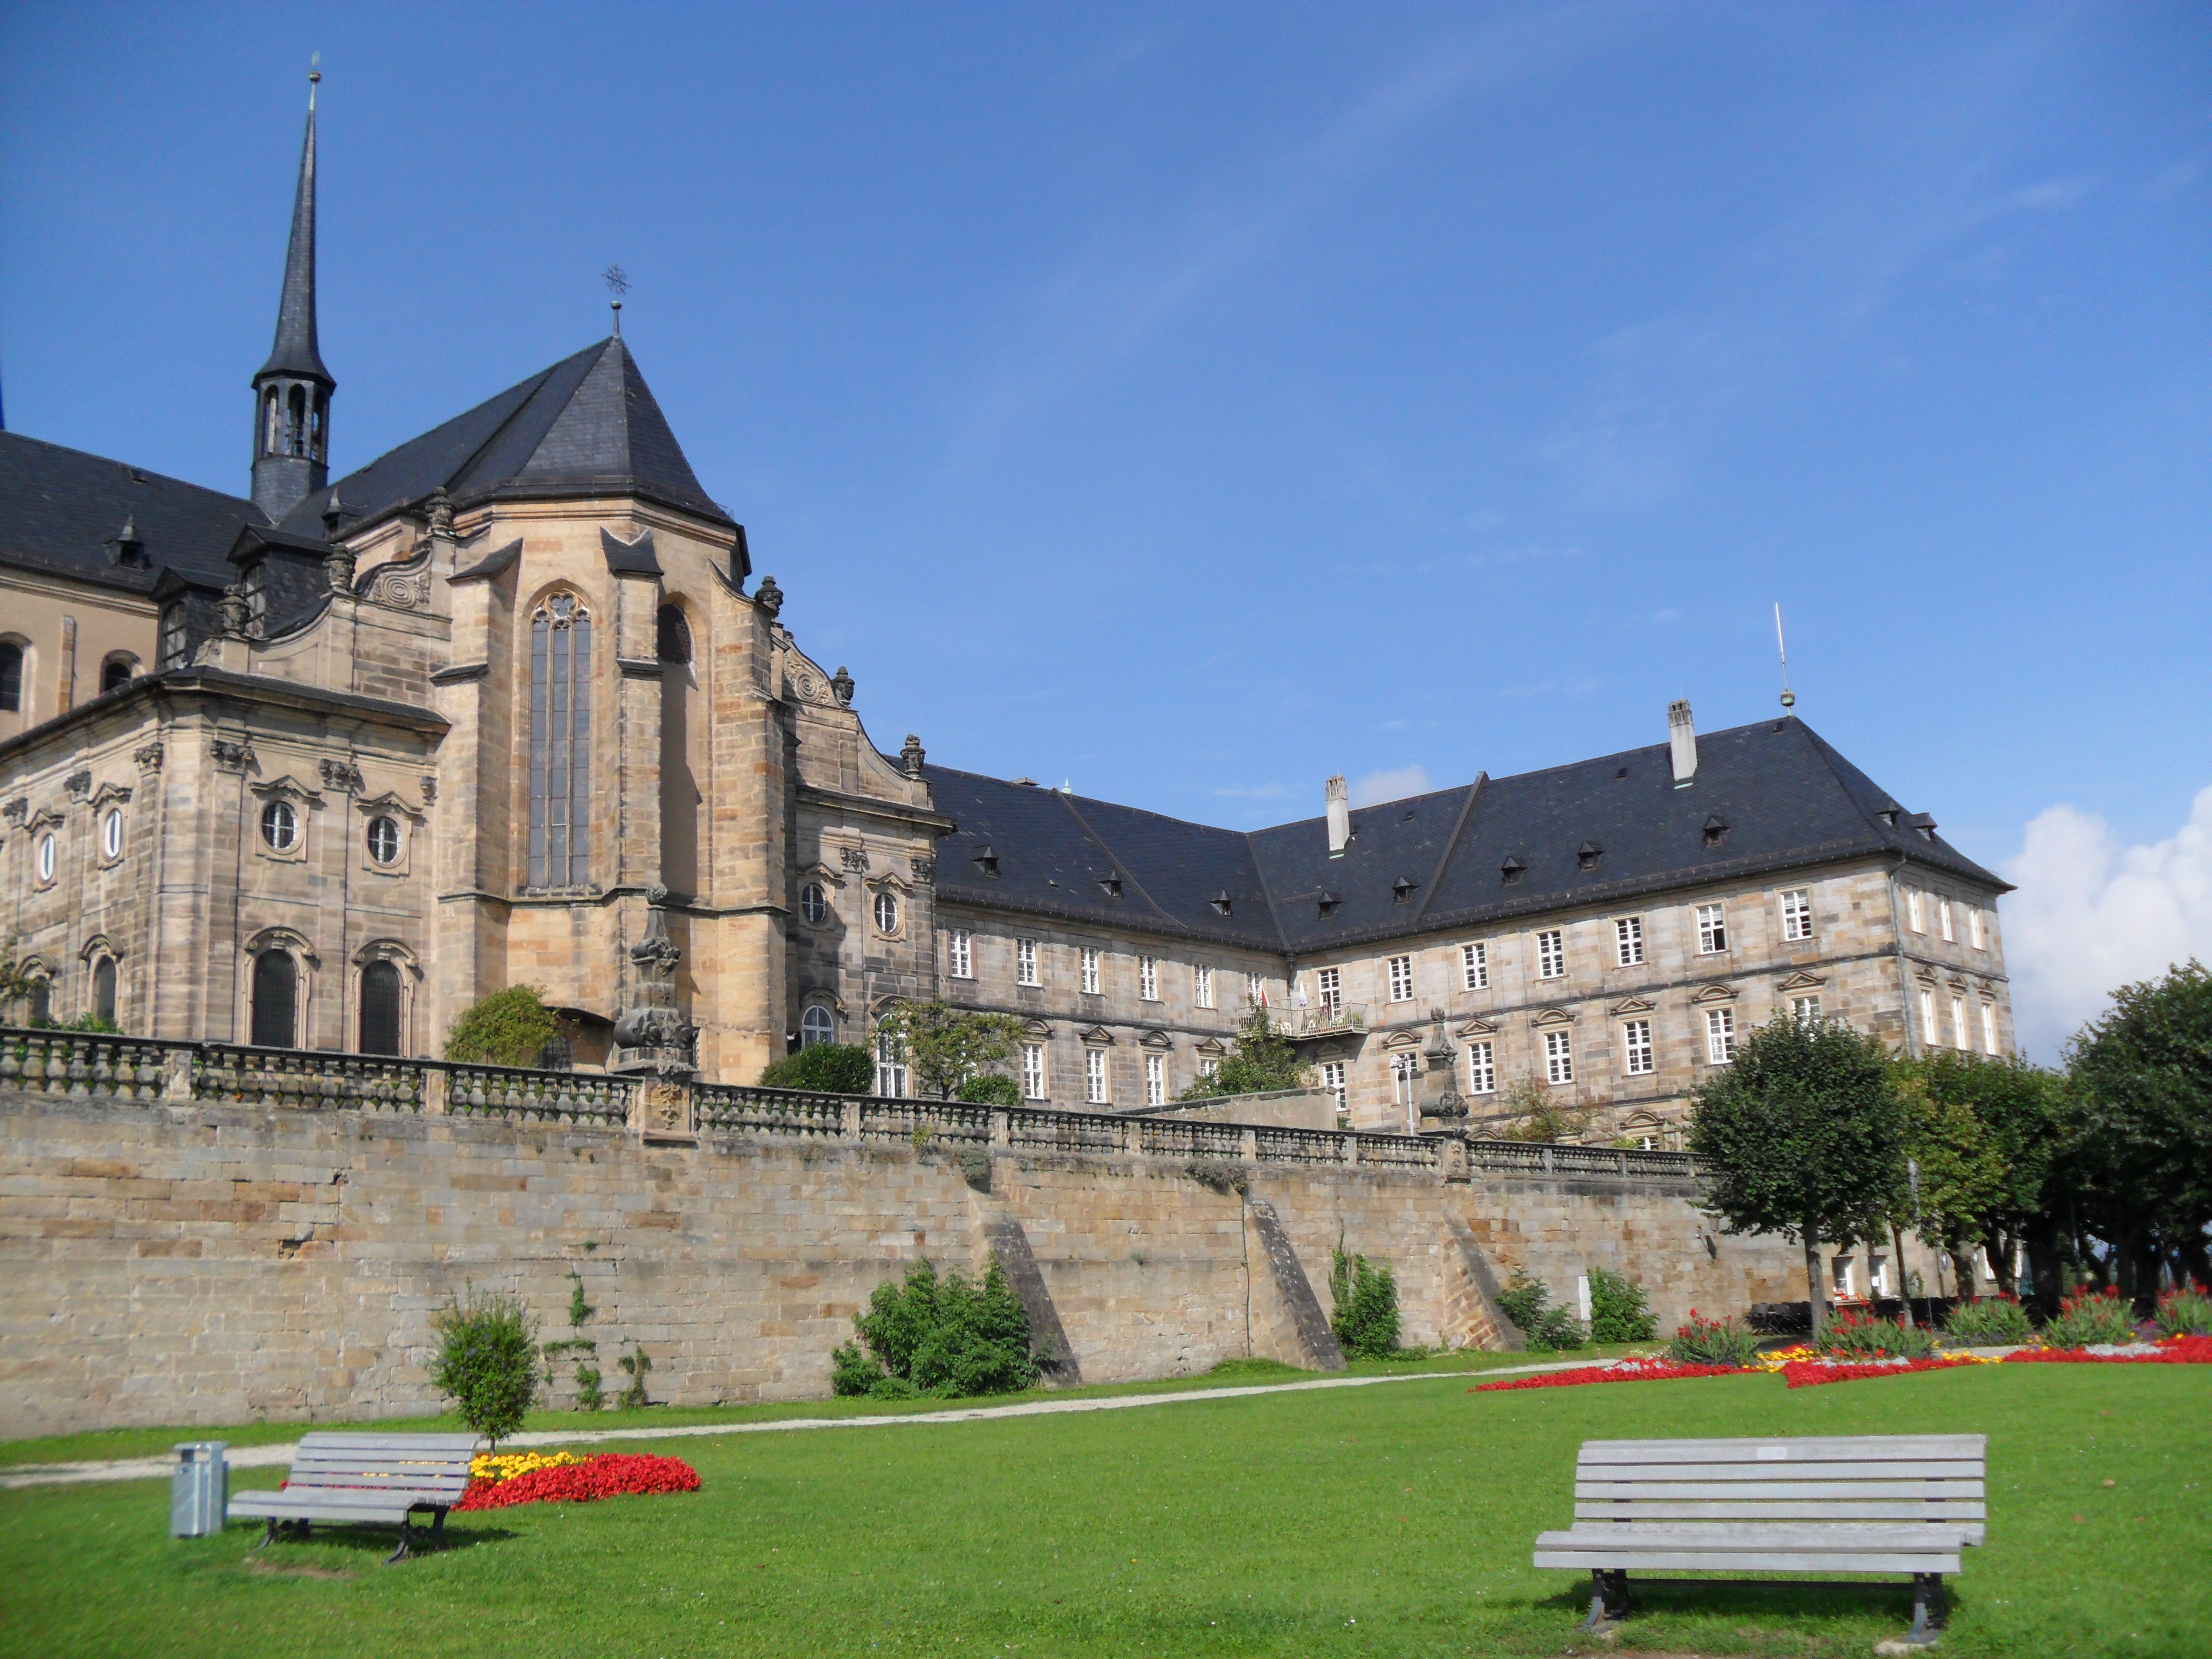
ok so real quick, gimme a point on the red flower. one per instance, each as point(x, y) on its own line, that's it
point(611, 1474)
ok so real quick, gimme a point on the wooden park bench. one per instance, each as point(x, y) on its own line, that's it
point(1880, 1503)
point(367, 1480)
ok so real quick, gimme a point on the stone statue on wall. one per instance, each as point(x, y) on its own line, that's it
point(652, 1034)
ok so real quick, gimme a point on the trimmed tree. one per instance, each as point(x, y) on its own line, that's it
point(1804, 1136)
point(830, 1068)
point(487, 1360)
point(944, 1046)
point(507, 1027)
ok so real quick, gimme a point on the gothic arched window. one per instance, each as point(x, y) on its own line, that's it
point(559, 743)
point(672, 635)
point(276, 999)
point(103, 988)
point(11, 676)
point(379, 1008)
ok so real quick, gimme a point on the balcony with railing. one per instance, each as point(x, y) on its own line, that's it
point(1330, 1017)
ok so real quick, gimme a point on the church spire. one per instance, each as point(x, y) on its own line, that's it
point(292, 391)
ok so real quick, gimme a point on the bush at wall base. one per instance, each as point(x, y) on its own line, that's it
point(947, 1337)
point(1619, 1310)
point(1366, 1296)
point(1527, 1303)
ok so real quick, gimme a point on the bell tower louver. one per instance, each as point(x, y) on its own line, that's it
point(292, 391)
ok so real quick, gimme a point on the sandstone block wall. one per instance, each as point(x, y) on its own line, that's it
point(206, 1264)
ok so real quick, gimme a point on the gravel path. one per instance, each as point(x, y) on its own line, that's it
point(255, 1457)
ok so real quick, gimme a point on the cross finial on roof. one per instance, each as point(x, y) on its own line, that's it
point(618, 285)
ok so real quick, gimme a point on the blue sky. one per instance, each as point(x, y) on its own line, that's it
point(1191, 402)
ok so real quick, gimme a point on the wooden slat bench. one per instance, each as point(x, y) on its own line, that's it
point(1878, 1504)
point(367, 1480)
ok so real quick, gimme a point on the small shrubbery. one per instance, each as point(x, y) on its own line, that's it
point(830, 1068)
point(1988, 1321)
point(1365, 1295)
point(2185, 1312)
point(507, 1027)
point(989, 1089)
point(1619, 1310)
point(487, 1360)
point(1712, 1342)
point(946, 1337)
point(1861, 1336)
point(1526, 1301)
point(2090, 1319)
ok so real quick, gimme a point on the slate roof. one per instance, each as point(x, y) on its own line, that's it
point(589, 425)
point(61, 511)
point(1771, 797)
point(295, 351)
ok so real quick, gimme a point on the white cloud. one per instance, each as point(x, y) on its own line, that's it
point(1389, 786)
point(2091, 915)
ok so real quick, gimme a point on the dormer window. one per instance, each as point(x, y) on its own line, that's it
point(257, 596)
point(1401, 890)
point(1509, 871)
point(1716, 830)
point(175, 635)
point(1221, 902)
point(1110, 885)
point(1587, 854)
point(988, 862)
point(1326, 903)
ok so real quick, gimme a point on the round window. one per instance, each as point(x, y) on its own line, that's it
point(111, 834)
point(887, 912)
point(280, 825)
point(384, 841)
point(816, 1025)
point(47, 856)
point(813, 902)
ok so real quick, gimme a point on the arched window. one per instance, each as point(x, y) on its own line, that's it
point(296, 421)
point(42, 1001)
point(103, 988)
point(559, 743)
point(276, 1000)
point(672, 635)
point(380, 1009)
point(271, 423)
point(117, 671)
point(11, 676)
point(319, 427)
point(816, 1025)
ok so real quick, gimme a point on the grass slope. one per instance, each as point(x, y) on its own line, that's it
point(1355, 1522)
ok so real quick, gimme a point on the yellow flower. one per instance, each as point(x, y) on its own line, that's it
point(507, 1465)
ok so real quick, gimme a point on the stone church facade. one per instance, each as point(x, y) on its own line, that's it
point(323, 765)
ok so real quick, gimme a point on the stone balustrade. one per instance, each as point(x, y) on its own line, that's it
point(124, 1069)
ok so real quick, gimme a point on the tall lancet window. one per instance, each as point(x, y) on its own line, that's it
point(560, 743)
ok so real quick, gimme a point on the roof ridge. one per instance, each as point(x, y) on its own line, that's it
point(1451, 846)
point(1121, 865)
point(148, 473)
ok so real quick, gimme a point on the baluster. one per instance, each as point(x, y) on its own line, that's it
point(80, 1074)
point(103, 1068)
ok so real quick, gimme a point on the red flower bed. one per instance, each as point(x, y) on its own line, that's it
point(2173, 1351)
point(612, 1474)
point(1809, 1373)
point(1633, 1371)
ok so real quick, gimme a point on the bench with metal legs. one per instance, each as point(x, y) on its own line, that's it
point(368, 1479)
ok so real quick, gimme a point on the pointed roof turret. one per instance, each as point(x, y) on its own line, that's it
point(296, 352)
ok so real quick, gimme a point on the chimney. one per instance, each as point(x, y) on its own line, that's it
point(1682, 737)
point(1339, 815)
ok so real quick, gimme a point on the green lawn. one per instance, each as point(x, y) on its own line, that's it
point(1392, 1520)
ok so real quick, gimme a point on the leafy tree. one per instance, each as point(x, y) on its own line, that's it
point(507, 1027)
point(1982, 1135)
point(1536, 1111)
point(1954, 1168)
point(946, 1046)
point(1259, 1060)
point(487, 1361)
point(829, 1068)
point(1365, 1296)
point(2141, 1155)
point(1804, 1135)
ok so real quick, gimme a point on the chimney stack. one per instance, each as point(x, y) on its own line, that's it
point(1339, 815)
point(1682, 738)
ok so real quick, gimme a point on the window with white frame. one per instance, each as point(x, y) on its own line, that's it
point(1943, 922)
point(1915, 918)
point(111, 834)
point(1208, 1066)
point(1025, 962)
point(1156, 1080)
point(1720, 1035)
point(1958, 1038)
point(1474, 964)
point(1712, 929)
point(814, 903)
point(1975, 937)
point(1798, 914)
point(1806, 1010)
point(1201, 985)
point(1091, 970)
point(1033, 1070)
point(1482, 1069)
point(1928, 1032)
point(1094, 1075)
point(887, 912)
point(1332, 1078)
point(1550, 954)
point(1628, 941)
point(1635, 1048)
point(890, 1067)
point(1148, 978)
point(1989, 1028)
point(959, 955)
point(1328, 992)
point(816, 1026)
point(1402, 979)
point(1558, 1057)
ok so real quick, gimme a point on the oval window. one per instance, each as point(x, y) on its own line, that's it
point(384, 842)
point(47, 853)
point(887, 912)
point(813, 902)
point(111, 834)
point(280, 825)
point(816, 1025)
